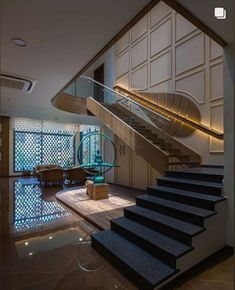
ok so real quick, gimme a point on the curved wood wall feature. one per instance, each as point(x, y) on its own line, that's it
point(180, 106)
point(69, 103)
point(184, 114)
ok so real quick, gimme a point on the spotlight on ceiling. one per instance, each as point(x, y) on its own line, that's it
point(19, 42)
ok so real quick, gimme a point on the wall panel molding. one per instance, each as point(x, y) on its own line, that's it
point(216, 51)
point(216, 122)
point(158, 13)
point(183, 27)
point(161, 69)
point(163, 32)
point(180, 58)
point(183, 59)
point(122, 43)
point(124, 81)
point(122, 63)
point(216, 81)
point(193, 85)
point(139, 52)
point(139, 78)
point(139, 29)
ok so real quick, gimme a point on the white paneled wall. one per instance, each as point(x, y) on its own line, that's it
point(164, 52)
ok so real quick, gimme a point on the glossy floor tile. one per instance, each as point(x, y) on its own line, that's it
point(45, 246)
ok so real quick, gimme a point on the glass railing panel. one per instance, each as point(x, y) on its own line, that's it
point(129, 111)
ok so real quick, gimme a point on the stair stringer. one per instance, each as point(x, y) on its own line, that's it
point(206, 243)
point(157, 158)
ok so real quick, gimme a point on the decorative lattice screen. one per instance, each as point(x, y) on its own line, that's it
point(35, 145)
point(89, 145)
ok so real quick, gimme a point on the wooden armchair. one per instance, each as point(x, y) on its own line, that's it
point(51, 175)
point(75, 173)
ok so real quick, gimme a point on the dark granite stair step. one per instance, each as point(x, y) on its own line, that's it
point(180, 157)
point(200, 173)
point(177, 229)
point(183, 196)
point(185, 162)
point(158, 244)
point(191, 184)
point(189, 213)
point(142, 268)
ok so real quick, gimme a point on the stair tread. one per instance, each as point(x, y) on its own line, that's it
point(183, 162)
point(186, 227)
point(201, 212)
point(135, 257)
point(160, 240)
point(192, 181)
point(178, 155)
point(176, 191)
point(201, 170)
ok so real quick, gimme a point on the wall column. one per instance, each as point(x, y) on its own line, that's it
point(4, 146)
point(229, 138)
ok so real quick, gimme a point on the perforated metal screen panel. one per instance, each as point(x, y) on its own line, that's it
point(33, 146)
point(90, 145)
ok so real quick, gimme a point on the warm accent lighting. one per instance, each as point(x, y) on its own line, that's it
point(26, 243)
point(158, 109)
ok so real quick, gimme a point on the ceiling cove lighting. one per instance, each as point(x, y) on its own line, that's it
point(19, 42)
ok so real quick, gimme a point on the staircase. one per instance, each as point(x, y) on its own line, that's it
point(172, 227)
point(176, 155)
point(133, 126)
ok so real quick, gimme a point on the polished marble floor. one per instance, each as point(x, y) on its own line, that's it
point(46, 246)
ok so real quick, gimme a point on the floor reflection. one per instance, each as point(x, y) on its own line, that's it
point(44, 246)
point(47, 246)
point(61, 260)
point(34, 208)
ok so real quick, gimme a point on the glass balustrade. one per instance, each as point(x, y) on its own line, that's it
point(148, 123)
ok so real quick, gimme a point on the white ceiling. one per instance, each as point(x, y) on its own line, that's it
point(204, 11)
point(62, 36)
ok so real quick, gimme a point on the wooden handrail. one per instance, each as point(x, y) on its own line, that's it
point(162, 110)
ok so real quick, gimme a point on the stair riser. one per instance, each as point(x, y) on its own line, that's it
point(166, 230)
point(147, 246)
point(191, 187)
point(188, 217)
point(197, 176)
point(182, 199)
point(123, 267)
point(179, 158)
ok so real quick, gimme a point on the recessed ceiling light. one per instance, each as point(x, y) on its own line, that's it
point(19, 42)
